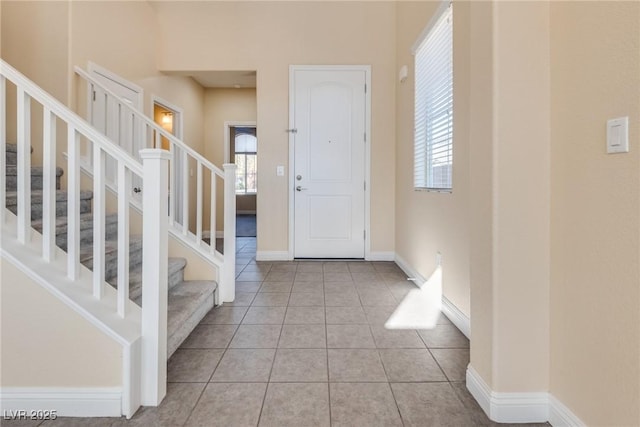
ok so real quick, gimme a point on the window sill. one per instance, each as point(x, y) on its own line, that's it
point(434, 190)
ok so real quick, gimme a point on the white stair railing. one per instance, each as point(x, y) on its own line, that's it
point(131, 126)
point(81, 135)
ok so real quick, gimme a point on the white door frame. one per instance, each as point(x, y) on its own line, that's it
point(227, 140)
point(96, 71)
point(94, 68)
point(178, 125)
point(367, 148)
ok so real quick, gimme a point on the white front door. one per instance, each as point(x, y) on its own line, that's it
point(328, 115)
point(114, 121)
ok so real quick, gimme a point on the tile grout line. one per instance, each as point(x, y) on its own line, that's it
point(275, 354)
point(326, 332)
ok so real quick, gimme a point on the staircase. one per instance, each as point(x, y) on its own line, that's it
point(71, 233)
point(189, 301)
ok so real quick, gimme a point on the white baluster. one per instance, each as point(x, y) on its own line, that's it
point(49, 185)
point(172, 184)
point(3, 145)
point(199, 205)
point(154, 276)
point(24, 166)
point(228, 288)
point(185, 193)
point(73, 203)
point(99, 166)
point(212, 226)
point(124, 191)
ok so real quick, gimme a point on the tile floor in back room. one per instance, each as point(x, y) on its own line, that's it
point(303, 344)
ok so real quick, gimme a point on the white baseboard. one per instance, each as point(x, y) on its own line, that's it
point(508, 407)
point(272, 256)
point(409, 271)
point(560, 415)
point(66, 402)
point(381, 256)
point(452, 312)
point(456, 316)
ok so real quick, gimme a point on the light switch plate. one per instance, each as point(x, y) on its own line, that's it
point(618, 135)
point(280, 170)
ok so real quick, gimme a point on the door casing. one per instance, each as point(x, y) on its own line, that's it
point(367, 150)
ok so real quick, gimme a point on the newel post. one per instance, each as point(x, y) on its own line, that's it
point(155, 165)
point(228, 285)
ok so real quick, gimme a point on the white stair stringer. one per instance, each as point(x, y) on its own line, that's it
point(77, 295)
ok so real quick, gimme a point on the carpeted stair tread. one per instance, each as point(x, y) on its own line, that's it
point(86, 228)
point(175, 269)
point(36, 196)
point(12, 170)
point(13, 148)
point(189, 302)
point(11, 154)
point(37, 178)
point(86, 222)
point(61, 203)
point(110, 254)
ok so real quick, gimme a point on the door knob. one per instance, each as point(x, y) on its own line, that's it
point(137, 190)
point(299, 188)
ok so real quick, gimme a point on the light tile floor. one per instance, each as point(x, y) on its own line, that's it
point(304, 344)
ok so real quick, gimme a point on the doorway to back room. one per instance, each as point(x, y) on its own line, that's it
point(243, 147)
point(170, 118)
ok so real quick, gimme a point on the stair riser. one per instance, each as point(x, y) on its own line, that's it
point(61, 209)
point(86, 235)
point(176, 278)
point(36, 182)
point(111, 264)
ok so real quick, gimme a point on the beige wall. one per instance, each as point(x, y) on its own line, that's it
point(501, 171)
point(430, 222)
point(35, 42)
point(521, 196)
point(37, 332)
point(246, 203)
point(595, 296)
point(481, 155)
point(224, 105)
point(268, 37)
point(130, 52)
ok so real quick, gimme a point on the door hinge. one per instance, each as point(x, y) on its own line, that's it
point(365, 186)
point(364, 234)
point(365, 88)
point(94, 95)
point(365, 137)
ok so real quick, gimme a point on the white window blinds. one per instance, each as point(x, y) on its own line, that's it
point(433, 152)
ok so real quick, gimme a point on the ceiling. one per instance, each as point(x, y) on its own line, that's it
point(223, 79)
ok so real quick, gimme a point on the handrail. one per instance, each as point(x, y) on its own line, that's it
point(60, 110)
point(172, 138)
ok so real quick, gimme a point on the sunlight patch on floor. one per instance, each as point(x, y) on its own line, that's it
point(420, 309)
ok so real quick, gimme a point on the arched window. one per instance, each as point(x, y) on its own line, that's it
point(246, 158)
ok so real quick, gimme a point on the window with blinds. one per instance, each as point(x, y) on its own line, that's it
point(433, 151)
